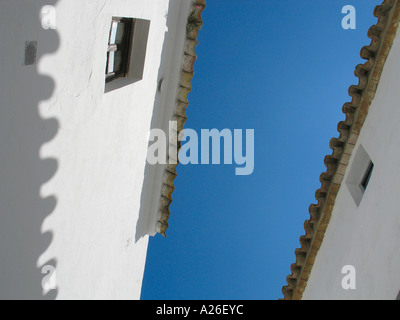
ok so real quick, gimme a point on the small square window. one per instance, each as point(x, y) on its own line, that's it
point(360, 174)
point(126, 52)
point(119, 48)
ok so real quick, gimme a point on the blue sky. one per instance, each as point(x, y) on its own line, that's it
point(282, 68)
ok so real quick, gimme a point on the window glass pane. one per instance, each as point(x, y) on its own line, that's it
point(120, 33)
point(113, 34)
point(117, 61)
point(111, 62)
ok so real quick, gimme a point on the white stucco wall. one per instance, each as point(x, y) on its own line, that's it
point(368, 237)
point(72, 157)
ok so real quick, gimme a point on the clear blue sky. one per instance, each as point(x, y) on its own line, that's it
point(282, 68)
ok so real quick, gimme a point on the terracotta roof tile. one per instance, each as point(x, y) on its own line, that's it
point(193, 25)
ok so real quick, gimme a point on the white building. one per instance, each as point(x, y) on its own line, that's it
point(351, 246)
point(82, 84)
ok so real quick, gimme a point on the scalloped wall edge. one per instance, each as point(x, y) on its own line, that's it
point(382, 35)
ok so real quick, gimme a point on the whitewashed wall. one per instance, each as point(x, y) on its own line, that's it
point(72, 158)
point(368, 236)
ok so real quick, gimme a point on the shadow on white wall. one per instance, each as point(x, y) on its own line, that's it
point(22, 133)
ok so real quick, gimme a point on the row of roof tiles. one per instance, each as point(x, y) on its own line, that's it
point(194, 23)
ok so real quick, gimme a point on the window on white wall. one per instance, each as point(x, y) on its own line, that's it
point(367, 176)
point(360, 174)
point(119, 48)
point(126, 51)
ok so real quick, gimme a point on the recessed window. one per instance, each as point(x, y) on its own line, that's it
point(119, 48)
point(126, 51)
point(360, 174)
point(367, 176)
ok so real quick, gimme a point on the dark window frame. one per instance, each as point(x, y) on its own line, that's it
point(125, 47)
point(367, 176)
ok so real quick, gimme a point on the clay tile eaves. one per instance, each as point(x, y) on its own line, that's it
point(194, 22)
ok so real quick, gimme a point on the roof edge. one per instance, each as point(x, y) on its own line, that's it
point(194, 23)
